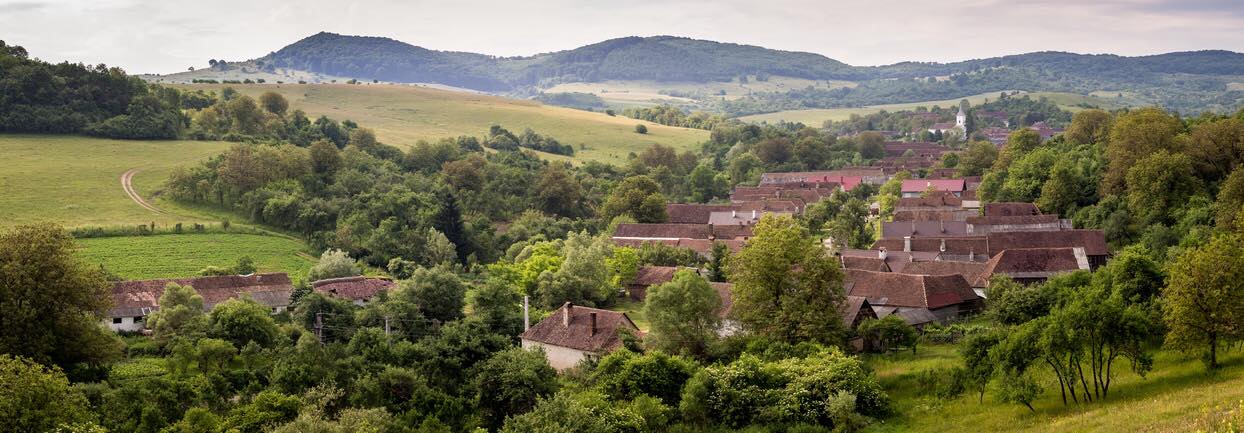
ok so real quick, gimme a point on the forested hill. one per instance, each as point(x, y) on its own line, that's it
point(1185, 81)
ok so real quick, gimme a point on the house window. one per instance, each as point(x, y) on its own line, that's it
point(139, 319)
point(116, 320)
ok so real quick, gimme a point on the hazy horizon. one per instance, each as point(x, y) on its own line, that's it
point(170, 36)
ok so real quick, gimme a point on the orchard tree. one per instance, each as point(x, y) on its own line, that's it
point(785, 283)
point(684, 314)
point(241, 321)
point(180, 315)
point(1203, 301)
point(334, 264)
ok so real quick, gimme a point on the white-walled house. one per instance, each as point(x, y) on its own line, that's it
point(574, 333)
point(134, 300)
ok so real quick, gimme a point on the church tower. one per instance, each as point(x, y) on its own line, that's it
point(961, 119)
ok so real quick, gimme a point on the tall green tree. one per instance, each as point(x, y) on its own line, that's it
point(37, 398)
point(1158, 184)
point(638, 197)
point(50, 303)
point(181, 315)
point(511, 382)
point(785, 283)
point(241, 321)
point(1133, 136)
point(683, 314)
point(1089, 127)
point(1203, 301)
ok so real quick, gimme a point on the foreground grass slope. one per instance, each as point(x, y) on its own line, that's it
point(1178, 395)
point(76, 181)
point(402, 115)
point(182, 255)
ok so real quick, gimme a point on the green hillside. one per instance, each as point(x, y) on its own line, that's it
point(402, 115)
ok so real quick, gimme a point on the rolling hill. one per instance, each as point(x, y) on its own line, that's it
point(402, 115)
point(1186, 81)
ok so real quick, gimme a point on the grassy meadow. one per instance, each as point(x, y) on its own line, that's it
point(816, 117)
point(76, 181)
point(401, 115)
point(1178, 395)
point(182, 255)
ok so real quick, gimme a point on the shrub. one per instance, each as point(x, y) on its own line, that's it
point(641, 129)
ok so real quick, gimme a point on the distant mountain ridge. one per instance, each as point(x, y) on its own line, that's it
point(1182, 80)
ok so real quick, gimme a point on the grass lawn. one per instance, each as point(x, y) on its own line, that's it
point(816, 117)
point(401, 115)
point(1178, 395)
point(634, 310)
point(76, 181)
point(182, 255)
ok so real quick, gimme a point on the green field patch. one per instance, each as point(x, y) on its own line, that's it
point(76, 181)
point(402, 115)
point(183, 255)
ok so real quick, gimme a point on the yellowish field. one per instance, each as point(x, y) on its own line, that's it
point(646, 92)
point(76, 181)
point(816, 117)
point(401, 115)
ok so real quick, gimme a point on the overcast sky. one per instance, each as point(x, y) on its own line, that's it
point(170, 35)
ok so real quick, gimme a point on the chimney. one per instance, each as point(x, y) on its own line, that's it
point(907, 244)
point(526, 313)
point(881, 254)
point(942, 225)
point(592, 319)
point(753, 213)
point(942, 248)
point(566, 314)
point(734, 214)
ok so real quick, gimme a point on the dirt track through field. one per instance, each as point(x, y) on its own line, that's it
point(127, 179)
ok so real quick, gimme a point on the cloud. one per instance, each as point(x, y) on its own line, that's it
point(169, 35)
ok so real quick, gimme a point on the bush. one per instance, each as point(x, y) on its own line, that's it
point(641, 129)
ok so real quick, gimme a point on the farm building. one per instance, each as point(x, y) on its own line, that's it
point(359, 290)
point(648, 276)
point(574, 333)
point(945, 297)
point(1033, 265)
point(133, 301)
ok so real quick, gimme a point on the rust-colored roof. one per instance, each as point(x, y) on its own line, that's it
point(140, 297)
point(921, 185)
point(962, 245)
point(701, 246)
point(851, 308)
point(1012, 219)
point(899, 229)
point(946, 214)
point(895, 261)
point(735, 232)
point(935, 200)
point(1032, 263)
point(969, 270)
point(653, 275)
point(663, 231)
point(1011, 209)
point(1093, 241)
point(911, 291)
point(353, 288)
point(694, 213)
point(864, 263)
point(570, 326)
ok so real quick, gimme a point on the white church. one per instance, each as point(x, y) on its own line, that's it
point(961, 123)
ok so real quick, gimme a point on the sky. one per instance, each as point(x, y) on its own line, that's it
point(163, 36)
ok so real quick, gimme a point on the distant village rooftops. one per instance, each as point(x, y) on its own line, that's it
point(138, 298)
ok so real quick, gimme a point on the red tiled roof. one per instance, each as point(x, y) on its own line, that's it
point(935, 200)
point(899, 229)
point(895, 261)
point(954, 245)
point(851, 308)
point(1031, 262)
point(576, 332)
point(921, 185)
point(663, 231)
point(911, 291)
point(969, 270)
point(701, 246)
point(1012, 220)
point(735, 232)
point(1093, 241)
point(1011, 209)
point(864, 263)
point(693, 213)
point(353, 288)
point(138, 297)
point(653, 275)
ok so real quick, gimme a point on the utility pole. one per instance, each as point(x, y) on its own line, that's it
point(319, 326)
point(387, 330)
